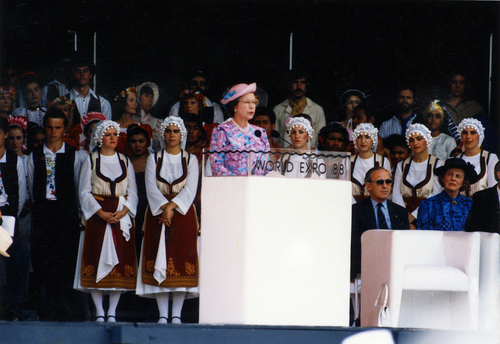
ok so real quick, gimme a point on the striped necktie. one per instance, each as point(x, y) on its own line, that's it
point(382, 222)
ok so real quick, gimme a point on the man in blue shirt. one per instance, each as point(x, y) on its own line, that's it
point(398, 123)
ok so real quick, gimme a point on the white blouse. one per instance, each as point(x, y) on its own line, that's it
point(110, 168)
point(416, 174)
point(171, 170)
point(474, 160)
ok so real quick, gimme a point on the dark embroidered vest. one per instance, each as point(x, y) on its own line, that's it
point(94, 106)
point(65, 172)
point(10, 183)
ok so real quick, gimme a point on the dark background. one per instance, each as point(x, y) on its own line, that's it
point(375, 46)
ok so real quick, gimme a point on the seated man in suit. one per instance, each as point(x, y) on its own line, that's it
point(375, 212)
point(484, 216)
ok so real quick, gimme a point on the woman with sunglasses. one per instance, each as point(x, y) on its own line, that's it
point(169, 259)
point(442, 144)
point(239, 148)
point(448, 210)
point(365, 139)
point(415, 179)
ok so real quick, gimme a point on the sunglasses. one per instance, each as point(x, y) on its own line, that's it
point(382, 181)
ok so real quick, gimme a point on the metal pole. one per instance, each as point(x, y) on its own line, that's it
point(95, 57)
point(76, 41)
point(490, 75)
point(291, 50)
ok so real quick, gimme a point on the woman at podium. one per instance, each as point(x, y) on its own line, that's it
point(236, 146)
point(169, 259)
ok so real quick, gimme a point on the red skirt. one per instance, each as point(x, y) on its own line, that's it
point(123, 275)
point(182, 255)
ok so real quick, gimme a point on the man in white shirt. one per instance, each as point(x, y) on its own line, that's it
point(199, 83)
point(53, 173)
point(81, 94)
point(298, 103)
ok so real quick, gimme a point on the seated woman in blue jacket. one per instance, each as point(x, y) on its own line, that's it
point(448, 210)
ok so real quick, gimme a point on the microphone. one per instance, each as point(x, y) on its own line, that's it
point(257, 133)
point(275, 134)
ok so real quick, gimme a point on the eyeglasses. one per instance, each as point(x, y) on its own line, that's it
point(382, 181)
point(195, 83)
point(248, 102)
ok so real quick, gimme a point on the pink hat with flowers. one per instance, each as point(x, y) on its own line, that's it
point(238, 91)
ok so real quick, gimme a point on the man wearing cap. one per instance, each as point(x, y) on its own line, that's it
point(82, 95)
point(375, 212)
point(298, 103)
point(199, 83)
point(398, 123)
point(484, 215)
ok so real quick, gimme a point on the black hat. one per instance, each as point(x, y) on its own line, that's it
point(468, 168)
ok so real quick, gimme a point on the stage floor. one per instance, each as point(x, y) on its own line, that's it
point(130, 333)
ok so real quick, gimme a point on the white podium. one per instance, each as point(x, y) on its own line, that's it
point(275, 251)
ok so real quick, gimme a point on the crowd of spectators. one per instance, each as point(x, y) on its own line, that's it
point(418, 170)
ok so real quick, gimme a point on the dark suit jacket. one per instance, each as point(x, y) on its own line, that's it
point(484, 215)
point(363, 219)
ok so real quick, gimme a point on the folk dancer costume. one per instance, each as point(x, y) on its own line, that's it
point(13, 194)
point(90, 103)
point(122, 146)
point(287, 109)
point(343, 100)
point(32, 114)
point(53, 181)
point(237, 151)
point(414, 181)
point(53, 90)
point(218, 115)
point(77, 133)
point(147, 118)
point(442, 212)
point(169, 258)
point(483, 162)
point(360, 166)
point(18, 265)
point(443, 144)
point(107, 259)
point(296, 165)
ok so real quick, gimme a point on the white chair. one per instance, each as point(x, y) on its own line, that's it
point(489, 282)
point(432, 276)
